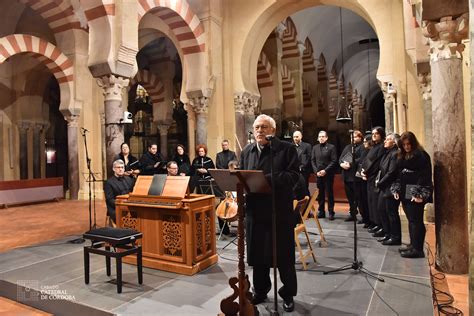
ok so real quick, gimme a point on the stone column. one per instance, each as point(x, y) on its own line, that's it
point(114, 137)
point(452, 253)
point(251, 111)
point(73, 155)
point(425, 87)
point(241, 101)
point(388, 108)
point(23, 127)
point(163, 128)
point(37, 129)
point(200, 107)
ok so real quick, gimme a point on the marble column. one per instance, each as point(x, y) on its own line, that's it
point(452, 252)
point(388, 109)
point(73, 155)
point(112, 89)
point(23, 127)
point(163, 128)
point(200, 107)
point(37, 129)
point(251, 111)
point(425, 87)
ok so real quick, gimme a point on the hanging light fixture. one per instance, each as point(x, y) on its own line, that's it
point(343, 114)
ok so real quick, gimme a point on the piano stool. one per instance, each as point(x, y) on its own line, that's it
point(123, 243)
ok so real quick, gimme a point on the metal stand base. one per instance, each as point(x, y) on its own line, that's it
point(357, 266)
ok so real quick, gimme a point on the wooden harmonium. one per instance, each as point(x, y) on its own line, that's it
point(160, 190)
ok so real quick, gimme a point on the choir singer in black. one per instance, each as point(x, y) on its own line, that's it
point(257, 156)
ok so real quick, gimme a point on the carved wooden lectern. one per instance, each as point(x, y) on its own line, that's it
point(178, 229)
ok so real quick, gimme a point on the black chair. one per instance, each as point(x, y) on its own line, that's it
point(123, 243)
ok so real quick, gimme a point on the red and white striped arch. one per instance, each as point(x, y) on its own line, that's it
point(180, 18)
point(288, 84)
point(96, 9)
point(307, 97)
point(308, 59)
point(48, 54)
point(332, 82)
point(290, 44)
point(151, 83)
point(264, 72)
point(59, 14)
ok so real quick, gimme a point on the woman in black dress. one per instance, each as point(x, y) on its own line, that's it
point(132, 167)
point(413, 188)
point(182, 159)
point(199, 167)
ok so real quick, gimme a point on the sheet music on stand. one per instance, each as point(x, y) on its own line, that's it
point(209, 186)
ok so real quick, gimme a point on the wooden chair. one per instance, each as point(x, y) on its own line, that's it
point(300, 207)
point(311, 211)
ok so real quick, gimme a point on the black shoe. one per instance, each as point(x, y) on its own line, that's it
point(366, 225)
point(288, 304)
point(374, 229)
point(392, 242)
point(349, 218)
point(413, 253)
point(258, 298)
point(379, 233)
point(321, 215)
point(331, 217)
point(383, 239)
point(405, 248)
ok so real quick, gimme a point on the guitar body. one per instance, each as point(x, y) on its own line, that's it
point(227, 209)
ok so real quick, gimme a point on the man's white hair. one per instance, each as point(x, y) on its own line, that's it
point(267, 118)
point(118, 162)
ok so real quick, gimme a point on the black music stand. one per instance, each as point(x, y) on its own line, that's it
point(242, 181)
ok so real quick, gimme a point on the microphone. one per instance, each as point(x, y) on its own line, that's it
point(270, 137)
point(84, 130)
point(250, 132)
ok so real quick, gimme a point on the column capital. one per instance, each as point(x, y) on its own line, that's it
point(112, 86)
point(280, 28)
point(301, 47)
point(252, 107)
point(163, 128)
point(25, 125)
point(199, 104)
point(424, 80)
point(72, 120)
point(388, 91)
point(445, 36)
point(241, 101)
point(40, 126)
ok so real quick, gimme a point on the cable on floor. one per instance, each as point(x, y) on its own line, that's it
point(441, 300)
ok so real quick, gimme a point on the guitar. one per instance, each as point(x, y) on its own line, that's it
point(227, 208)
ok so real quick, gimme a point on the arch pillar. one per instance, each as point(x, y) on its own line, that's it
point(73, 156)
point(23, 127)
point(112, 90)
point(449, 147)
point(200, 106)
point(163, 128)
point(38, 147)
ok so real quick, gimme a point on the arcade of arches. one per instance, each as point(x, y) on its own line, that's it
point(199, 71)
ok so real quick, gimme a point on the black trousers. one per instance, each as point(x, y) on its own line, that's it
point(351, 197)
point(382, 214)
point(416, 226)
point(325, 185)
point(391, 206)
point(362, 202)
point(373, 199)
point(262, 282)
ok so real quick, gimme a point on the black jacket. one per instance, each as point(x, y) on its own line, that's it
point(184, 164)
point(388, 172)
point(116, 186)
point(223, 158)
point(347, 156)
point(259, 206)
point(372, 161)
point(201, 162)
point(415, 171)
point(132, 160)
point(148, 161)
point(324, 157)
point(304, 156)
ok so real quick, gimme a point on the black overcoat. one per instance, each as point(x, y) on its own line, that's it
point(259, 206)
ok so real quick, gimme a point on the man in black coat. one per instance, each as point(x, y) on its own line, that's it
point(349, 168)
point(222, 162)
point(256, 156)
point(304, 156)
point(151, 161)
point(225, 156)
point(116, 185)
point(324, 162)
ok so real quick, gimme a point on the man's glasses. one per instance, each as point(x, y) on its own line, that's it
point(256, 127)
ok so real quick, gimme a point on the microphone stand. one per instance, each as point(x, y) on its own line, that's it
point(274, 233)
point(356, 264)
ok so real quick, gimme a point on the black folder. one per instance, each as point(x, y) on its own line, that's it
point(157, 184)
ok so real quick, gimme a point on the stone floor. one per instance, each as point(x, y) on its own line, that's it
point(59, 265)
